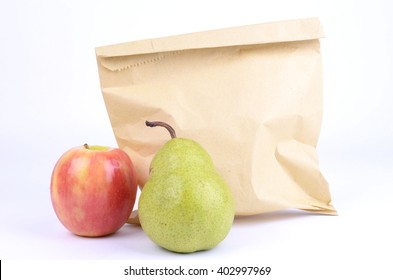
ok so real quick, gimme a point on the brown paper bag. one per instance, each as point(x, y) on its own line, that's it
point(251, 95)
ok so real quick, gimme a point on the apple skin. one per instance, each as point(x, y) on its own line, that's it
point(93, 190)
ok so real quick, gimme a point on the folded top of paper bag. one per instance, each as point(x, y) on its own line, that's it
point(274, 32)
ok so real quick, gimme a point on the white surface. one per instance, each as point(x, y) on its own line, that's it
point(50, 100)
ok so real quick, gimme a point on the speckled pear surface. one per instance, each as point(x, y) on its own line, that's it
point(186, 205)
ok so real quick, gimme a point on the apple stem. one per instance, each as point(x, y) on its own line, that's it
point(86, 146)
point(163, 124)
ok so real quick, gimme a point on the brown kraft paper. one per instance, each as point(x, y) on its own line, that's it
point(250, 95)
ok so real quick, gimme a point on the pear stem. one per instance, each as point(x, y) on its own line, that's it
point(163, 124)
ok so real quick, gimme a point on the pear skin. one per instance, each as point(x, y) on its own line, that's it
point(186, 205)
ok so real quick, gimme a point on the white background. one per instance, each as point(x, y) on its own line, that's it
point(50, 100)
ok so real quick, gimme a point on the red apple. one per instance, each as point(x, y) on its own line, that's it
point(93, 189)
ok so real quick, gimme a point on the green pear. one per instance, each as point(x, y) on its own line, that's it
point(185, 206)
